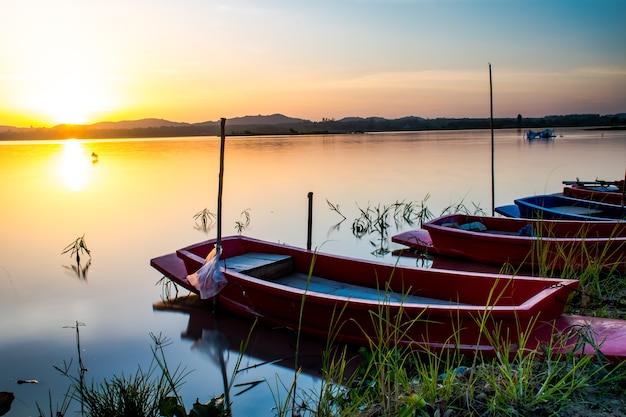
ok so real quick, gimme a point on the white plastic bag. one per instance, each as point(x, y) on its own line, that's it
point(209, 279)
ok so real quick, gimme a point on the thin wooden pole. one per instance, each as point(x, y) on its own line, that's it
point(624, 190)
point(493, 187)
point(220, 185)
point(310, 222)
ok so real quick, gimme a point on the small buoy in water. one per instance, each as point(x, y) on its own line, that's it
point(27, 381)
point(94, 157)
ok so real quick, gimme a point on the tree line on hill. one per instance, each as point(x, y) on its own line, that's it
point(282, 125)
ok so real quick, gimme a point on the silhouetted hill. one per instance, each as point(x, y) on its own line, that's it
point(136, 124)
point(274, 119)
point(355, 119)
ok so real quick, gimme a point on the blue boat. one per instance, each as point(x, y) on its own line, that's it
point(542, 134)
point(559, 207)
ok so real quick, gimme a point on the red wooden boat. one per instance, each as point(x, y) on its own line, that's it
point(522, 243)
point(357, 301)
point(601, 191)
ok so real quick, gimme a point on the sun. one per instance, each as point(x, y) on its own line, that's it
point(66, 98)
point(70, 107)
point(70, 103)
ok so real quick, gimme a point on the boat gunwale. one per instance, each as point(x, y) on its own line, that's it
point(450, 272)
point(324, 298)
point(528, 306)
point(530, 203)
point(603, 196)
point(617, 226)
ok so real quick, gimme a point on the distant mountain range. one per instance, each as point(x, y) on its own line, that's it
point(279, 124)
point(274, 119)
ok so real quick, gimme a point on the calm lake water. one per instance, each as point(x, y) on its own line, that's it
point(137, 201)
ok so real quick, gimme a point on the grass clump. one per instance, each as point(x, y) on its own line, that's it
point(515, 379)
point(397, 381)
point(138, 395)
point(76, 248)
point(205, 220)
point(146, 393)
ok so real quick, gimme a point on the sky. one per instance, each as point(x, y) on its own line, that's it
point(85, 61)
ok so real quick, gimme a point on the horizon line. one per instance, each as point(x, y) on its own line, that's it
point(324, 120)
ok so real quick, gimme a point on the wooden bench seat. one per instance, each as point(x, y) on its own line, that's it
point(584, 211)
point(260, 265)
point(279, 269)
point(327, 286)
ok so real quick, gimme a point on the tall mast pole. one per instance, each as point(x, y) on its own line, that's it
point(493, 187)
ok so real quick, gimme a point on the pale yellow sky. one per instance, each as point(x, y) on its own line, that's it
point(83, 61)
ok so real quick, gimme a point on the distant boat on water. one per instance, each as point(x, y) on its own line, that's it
point(542, 134)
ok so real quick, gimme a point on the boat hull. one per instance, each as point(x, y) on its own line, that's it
point(362, 302)
point(584, 193)
point(545, 245)
point(559, 207)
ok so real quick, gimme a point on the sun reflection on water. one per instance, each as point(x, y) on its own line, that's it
point(74, 165)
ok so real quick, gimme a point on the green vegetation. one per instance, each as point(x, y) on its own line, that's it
point(76, 248)
point(389, 380)
point(376, 220)
point(241, 225)
point(205, 220)
point(147, 393)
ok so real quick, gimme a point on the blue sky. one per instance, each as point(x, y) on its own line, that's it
point(81, 61)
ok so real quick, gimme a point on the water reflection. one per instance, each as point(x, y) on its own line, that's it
point(222, 337)
point(139, 199)
point(218, 333)
point(421, 259)
point(74, 165)
point(78, 269)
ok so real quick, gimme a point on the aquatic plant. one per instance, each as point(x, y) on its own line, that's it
point(241, 225)
point(204, 220)
point(335, 208)
point(169, 289)
point(76, 248)
point(144, 394)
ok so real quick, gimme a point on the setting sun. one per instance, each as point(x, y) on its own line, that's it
point(64, 81)
point(65, 107)
point(67, 101)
